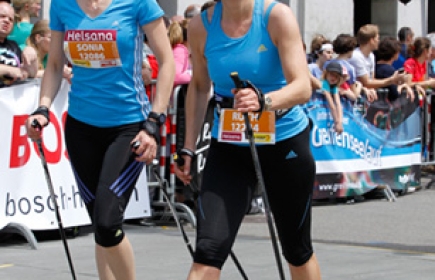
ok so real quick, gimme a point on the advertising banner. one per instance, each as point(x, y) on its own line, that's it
point(381, 144)
point(24, 193)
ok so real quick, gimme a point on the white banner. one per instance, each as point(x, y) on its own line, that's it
point(24, 193)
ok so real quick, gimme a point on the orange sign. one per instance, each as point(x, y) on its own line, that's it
point(232, 127)
point(92, 48)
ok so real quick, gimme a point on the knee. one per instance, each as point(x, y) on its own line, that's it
point(108, 236)
point(298, 257)
point(212, 252)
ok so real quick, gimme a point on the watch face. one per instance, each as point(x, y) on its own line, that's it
point(160, 118)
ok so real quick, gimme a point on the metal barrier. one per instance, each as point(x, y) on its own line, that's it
point(428, 138)
point(169, 139)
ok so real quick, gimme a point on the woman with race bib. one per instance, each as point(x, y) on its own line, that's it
point(108, 109)
point(260, 40)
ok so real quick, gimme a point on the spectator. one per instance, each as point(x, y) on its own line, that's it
point(343, 46)
point(39, 39)
point(324, 53)
point(363, 60)
point(178, 39)
point(24, 11)
point(387, 52)
point(332, 78)
point(406, 37)
point(316, 44)
point(150, 67)
point(419, 55)
point(431, 64)
point(14, 63)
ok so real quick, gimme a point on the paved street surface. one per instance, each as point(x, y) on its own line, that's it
point(369, 240)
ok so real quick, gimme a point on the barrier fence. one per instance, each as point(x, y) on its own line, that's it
point(25, 201)
point(381, 146)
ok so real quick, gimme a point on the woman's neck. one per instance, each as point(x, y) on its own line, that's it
point(237, 10)
point(24, 17)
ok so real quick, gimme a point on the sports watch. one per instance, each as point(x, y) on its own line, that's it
point(159, 118)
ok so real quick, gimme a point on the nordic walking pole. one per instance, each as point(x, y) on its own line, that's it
point(180, 162)
point(38, 126)
point(249, 135)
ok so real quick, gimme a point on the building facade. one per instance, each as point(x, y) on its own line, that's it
point(332, 17)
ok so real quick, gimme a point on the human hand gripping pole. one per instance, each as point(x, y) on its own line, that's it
point(35, 124)
point(179, 160)
point(239, 84)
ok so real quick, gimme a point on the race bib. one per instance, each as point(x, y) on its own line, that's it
point(92, 48)
point(232, 127)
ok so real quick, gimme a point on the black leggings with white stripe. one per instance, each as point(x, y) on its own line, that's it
point(106, 173)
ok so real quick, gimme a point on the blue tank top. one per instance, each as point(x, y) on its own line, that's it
point(255, 58)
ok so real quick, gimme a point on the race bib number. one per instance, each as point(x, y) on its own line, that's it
point(232, 127)
point(92, 48)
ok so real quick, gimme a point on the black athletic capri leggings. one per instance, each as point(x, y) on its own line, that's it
point(288, 169)
point(106, 173)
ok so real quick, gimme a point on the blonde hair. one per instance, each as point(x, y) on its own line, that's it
point(366, 33)
point(18, 6)
point(177, 32)
point(41, 28)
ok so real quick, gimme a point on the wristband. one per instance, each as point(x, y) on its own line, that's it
point(152, 129)
point(183, 152)
point(44, 111)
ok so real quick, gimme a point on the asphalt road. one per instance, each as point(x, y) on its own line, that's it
point(373, 239)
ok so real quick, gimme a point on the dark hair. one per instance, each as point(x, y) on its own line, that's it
point(316, 43)
point(417, 48)
point(344, 43)
point(207, 5)
point(387, 49)
point(403, 33)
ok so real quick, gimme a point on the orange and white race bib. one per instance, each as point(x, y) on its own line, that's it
point(92, 48)
point(232, 127)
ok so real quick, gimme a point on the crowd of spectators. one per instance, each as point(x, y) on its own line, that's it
point(402, 65)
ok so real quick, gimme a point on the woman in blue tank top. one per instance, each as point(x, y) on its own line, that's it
point(260, 40)
point(108, 109)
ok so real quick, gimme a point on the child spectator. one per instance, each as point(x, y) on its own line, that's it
point(332, 79)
